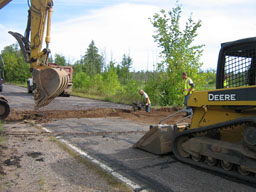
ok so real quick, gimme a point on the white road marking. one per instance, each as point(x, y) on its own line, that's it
point(45, 129)
point(117, 175)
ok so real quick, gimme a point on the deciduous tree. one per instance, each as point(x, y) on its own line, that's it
point(60, 60)
point(16, 69)
point(179, 53)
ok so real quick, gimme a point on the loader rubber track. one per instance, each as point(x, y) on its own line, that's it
point(192, 132)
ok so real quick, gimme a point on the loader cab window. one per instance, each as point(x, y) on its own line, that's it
point(239, 67)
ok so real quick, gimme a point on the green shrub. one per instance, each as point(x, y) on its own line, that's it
point(81, 80)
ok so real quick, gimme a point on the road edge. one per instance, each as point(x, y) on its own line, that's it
point(83, 154)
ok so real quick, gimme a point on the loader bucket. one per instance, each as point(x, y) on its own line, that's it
point(50, 83)
point(158, 140)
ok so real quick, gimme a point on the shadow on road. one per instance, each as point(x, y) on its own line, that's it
point(23, 94)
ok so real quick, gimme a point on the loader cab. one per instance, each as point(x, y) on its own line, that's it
point(237, 63)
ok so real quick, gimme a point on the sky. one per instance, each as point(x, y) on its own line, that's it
point(121, 27)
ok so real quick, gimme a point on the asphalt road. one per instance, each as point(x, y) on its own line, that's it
point(151, 172)
point(20, 100)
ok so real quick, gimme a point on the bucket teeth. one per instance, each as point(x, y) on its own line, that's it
point(40, 99)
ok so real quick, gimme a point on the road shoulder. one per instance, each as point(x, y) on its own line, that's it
point(32, 161)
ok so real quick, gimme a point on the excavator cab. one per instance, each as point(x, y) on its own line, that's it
point(50, 82)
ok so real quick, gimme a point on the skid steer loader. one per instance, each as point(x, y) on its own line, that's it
point(222, 134)
point(50, 82)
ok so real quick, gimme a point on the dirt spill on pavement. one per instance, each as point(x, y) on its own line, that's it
point(154, 116)
point(45, 116)
point(13, 161)
point(10, 158)
point(34, 154)
point(138, 116)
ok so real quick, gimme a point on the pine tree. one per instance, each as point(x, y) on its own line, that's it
point(126, 64)
point(92, 60)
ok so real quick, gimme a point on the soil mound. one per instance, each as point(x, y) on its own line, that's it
point(139, 116)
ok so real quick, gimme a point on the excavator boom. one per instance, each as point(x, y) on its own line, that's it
point(3, 3)
point(50, 82)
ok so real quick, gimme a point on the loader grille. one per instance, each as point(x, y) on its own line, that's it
point(240, 67)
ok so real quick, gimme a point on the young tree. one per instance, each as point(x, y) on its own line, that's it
point(118, 71)
point(78, 66)
point(60, 60)
point(16, 69)
point(110, 78)
point(179, 53)
point(92, 60)
point(126, 64)
point(81, 80)
point(50, 59)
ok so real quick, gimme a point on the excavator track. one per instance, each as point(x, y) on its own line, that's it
point(182, 137)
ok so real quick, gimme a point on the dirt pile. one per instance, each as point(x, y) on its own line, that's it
point(154, 116)
point(45, 116)
point(139, 116)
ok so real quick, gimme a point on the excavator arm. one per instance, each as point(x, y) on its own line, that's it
point(50, 82)
point(3, 3)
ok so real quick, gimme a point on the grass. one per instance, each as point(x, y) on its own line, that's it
point(2, 137)
point(111, 180)
point(86, 95)
point(1, 126)
point(42, 183)
point(113, 99)
point(19, 84)
point(120, 99)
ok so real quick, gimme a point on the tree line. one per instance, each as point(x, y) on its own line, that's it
point(92, 75)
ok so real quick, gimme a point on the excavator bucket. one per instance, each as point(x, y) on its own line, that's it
point(158, 140)
point(50, 83)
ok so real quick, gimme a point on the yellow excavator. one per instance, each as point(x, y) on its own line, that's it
point(50, 82)
point(222, 134)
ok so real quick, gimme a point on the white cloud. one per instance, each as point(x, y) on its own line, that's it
point(121, 29)
point(220, 26)
point(109, 2)
point(6, 38)
point(125, 28)
point(215, 3)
